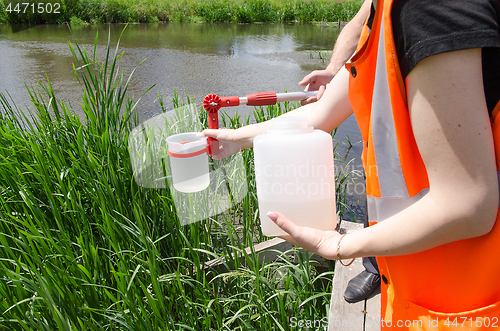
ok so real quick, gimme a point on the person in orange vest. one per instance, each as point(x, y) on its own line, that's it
point(424, 87)
point(366, 283)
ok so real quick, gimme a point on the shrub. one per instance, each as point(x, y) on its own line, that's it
point(117, 11)
point(215, 11)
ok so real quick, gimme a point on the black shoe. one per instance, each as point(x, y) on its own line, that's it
point(362, 286)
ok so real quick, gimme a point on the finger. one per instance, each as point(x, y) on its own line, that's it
point(314, 240)
point(297, 235)
point(218, 156)
point(308, 79)
point(308, 100)
point(220, 152)
point(305, 81)
point(284, 223)
point(213, 133)
point(321, 91)
point(309, 87)
point(274, 217)
point(318, 96)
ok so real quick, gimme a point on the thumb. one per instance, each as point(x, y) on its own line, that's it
point(212, 133)
point(284, 223)
point(321, 91)
point(309, 78)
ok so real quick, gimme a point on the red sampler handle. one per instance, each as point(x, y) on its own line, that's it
point(212, 103)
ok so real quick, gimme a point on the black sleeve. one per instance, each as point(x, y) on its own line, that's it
point(424, 28)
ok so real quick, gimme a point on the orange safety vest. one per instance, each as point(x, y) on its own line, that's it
point(451, 287)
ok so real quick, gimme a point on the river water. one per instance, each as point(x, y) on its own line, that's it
point(191, 59)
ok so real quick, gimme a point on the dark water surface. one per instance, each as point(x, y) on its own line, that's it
point(192, 59)
point(188, 58)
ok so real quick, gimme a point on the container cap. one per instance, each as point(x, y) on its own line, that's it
point(290, 125)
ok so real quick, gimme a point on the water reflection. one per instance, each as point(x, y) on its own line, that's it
point(192, 59)
point(215, 38)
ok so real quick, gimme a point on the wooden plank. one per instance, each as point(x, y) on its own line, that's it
point(268, 251)
point(372, 319)
point(359, 316)
point(344, 316)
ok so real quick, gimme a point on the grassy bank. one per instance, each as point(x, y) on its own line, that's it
point(116, 11)
point(82, 247)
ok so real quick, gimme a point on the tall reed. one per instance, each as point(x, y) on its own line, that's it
point(82, 247)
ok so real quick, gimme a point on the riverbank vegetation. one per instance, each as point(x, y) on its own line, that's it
point(83, 247)
point(119, 11)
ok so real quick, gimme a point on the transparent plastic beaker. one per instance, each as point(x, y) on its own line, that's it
point(188, 162)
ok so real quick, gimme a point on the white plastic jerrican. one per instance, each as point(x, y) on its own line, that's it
point(295, 175)
point(189, 162)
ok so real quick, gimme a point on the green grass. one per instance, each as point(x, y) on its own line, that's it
point(120, 11)
point(82, 247)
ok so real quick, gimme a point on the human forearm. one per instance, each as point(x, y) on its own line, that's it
point(326, 114)
point(346, 43)
point(344, 48)
point(430, 222)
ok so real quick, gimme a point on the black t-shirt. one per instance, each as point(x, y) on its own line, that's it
point(428, 27)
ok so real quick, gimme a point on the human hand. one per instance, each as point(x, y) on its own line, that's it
point(323, 243)
point(316, 81)
point(227, 139)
